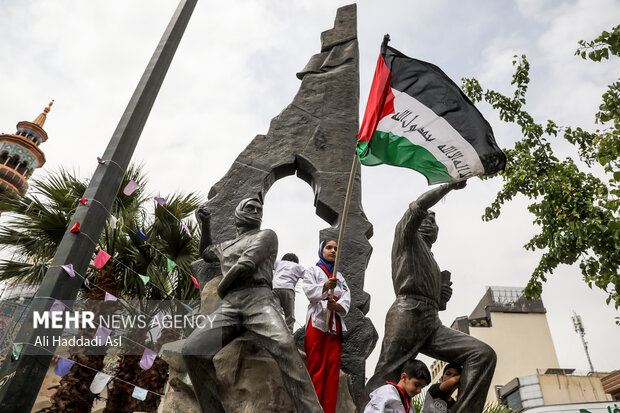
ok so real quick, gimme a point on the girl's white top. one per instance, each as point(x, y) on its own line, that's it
point(312, 284)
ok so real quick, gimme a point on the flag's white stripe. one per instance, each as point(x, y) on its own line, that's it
point(421, 126)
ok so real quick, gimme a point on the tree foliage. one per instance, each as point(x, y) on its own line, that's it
point(574, 204)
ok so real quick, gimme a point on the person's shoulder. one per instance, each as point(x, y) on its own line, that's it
point(267, 232)
point(435, 391)
point(386, 390)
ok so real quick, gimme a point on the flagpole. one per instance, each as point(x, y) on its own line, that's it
point(343, 222)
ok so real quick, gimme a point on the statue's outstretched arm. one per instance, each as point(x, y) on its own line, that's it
point(430, 198)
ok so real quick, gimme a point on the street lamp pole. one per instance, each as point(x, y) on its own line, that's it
point(21, 379)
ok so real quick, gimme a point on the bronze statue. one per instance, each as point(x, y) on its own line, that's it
point(247, 305)
point(412, 324)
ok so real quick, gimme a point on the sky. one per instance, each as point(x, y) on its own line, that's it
point(235, 70)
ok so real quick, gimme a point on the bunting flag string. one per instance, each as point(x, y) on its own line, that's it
point(111, 377)
point(114, 221)
point(166, 294)
point(155, 318)
point(60, 306)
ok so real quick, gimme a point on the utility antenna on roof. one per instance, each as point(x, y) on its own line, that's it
point(579, 329)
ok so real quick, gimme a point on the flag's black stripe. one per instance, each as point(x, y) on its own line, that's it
point(433, 88)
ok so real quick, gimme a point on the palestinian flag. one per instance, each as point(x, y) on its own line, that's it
point(416, 117)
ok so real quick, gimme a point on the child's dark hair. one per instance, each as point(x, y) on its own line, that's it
point(418, 370)
point(290, 257)
point(455, 366)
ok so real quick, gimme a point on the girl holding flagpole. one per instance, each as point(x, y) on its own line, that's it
point(329, 296)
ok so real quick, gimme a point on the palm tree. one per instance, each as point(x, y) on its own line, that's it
point(35, 226)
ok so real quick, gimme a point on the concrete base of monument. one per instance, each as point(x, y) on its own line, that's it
point(249, 379)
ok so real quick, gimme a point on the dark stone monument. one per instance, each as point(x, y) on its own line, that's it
point(314, 137)
point(412, 324)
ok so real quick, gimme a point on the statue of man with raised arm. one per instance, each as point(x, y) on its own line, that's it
point(247, 305)
point(412, 324)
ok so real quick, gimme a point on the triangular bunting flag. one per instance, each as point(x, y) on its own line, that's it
point(195, 282)
point(101, 258)
point(186, 229)
point(161, 201)
point(17, 350)
point(83, 201)
point(76, 228)
point(139, 393)
point(131, 187)
point(101, 335)
point(100, 160)
point(99, 382)
point(109, 297)
point(112, 221)
point(170, 264)
point(68, 269)
point(144, 278)
point(148, 357)
point(63, 366)
point(57, 305)
point(141, 235)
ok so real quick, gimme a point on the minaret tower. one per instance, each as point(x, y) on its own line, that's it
point(20, 154)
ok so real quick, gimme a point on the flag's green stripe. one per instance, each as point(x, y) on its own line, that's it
point(385, 147)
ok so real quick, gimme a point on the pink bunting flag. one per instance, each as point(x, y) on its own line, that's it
point(195, 282)
point(69, 270)
point(186, 229)
point(101, 258)
point(86, 282)
point(109, 297)
point(148, 357)
point(101, 335)
point(160, 201)
point(57, 306)
point(100, 160)
point(63, 366)
point(131, 187)
point(83, 201)
point(76, 228)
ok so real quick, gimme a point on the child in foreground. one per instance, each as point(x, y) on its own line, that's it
point(397, 398)
point(439, 396)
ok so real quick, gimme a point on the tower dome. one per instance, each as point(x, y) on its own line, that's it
point(20, 154)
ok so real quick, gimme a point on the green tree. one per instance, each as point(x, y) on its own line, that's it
point(32, 232)
point(576, 210)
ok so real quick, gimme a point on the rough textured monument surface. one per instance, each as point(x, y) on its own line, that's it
point(249, 379)
point(313, 137)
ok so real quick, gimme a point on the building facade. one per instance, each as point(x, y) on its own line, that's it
point(20, 154)
point(515, 328)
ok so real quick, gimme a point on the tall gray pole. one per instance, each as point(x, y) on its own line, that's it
point(579, 329)
point(20, 380)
